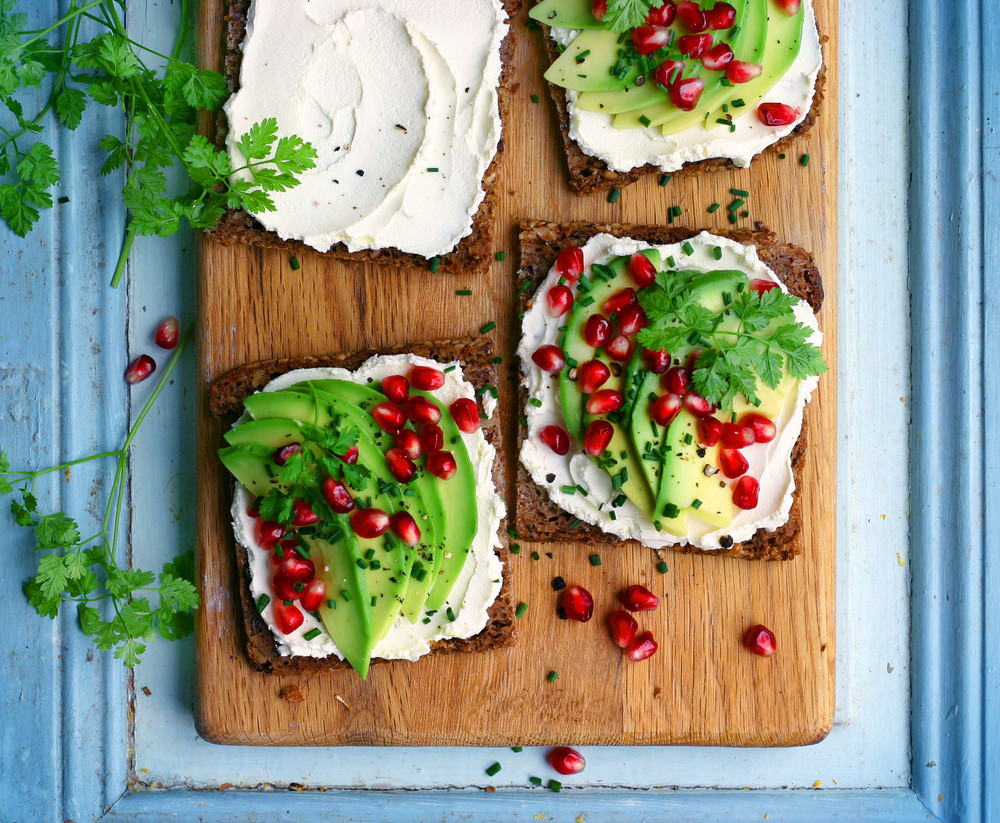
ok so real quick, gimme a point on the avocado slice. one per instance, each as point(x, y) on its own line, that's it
point(566, 14)
point(253, 466)
point(274, 432)
point(586, 64)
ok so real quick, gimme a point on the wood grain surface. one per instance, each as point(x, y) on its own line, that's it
point(702, 687)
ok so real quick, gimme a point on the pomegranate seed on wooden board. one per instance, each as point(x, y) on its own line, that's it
point(139, 369)
point(555, 438)
point(642, 647)
point(639, 599)
point(760, 640)
point(623, 627)
point(566, 760)
point(578, 604)
point(167, 333)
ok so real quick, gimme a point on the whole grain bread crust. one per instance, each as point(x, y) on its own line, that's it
point(226, 395)
point(590, 175)
point(470, 255)
point(536, 517)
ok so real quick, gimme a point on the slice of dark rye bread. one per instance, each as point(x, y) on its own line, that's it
point(589, 175)
point(472, 253)
point(225, 398)
point(536, 517)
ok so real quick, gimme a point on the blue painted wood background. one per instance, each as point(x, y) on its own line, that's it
point(64, 743)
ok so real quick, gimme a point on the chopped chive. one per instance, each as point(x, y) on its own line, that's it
point(736, 205)
point(739, 102)
point(688, 249)
point(517, 749)
point(696, 503)
point(515, 548)
point(492, 770)
point(661, 567)
point(450, 368)
point(671, 262)
point(500, 256)
point(714, 208)
point(463, 292)
point(346, 595)
point(288, 602)
point(644, 120)
point(664, 179)
point(262, 602)
point(435, 264)
point(536, 556)
point(534, 98)
point(374, 600)
point(433, 169)
point(522, 607)
point(782, 156)
point(744, 214)
point(554, 786)
point(551, 676)
point(513, 532)
point(331, 603)
point(732, 217)
point(426, 620)
point(295, 264)
point(361, 564)
point(574, 523)
point(804, 160)
point(739, 193)
point(534, 401)
point(535, 781)
point(613, 195)
point(569, 489)
point(451, 614)
point(487, 328)
point(369, 554)
point(312, 634)
point(595, 560)
point(717, 252)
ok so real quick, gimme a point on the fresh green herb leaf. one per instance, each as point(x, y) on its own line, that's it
point(628, 14)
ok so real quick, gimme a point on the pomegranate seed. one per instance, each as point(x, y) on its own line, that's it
point(422, 411)
point(776, 114)
point(396, 388)
point(685, 93)
point(596, 330)
point(760, 640)
point(566, 760)
point(284, 589)
point(297, 569)
point(426, 379)
point(631, 319)
point(599, 8)
point(167, 333)
point(619, 300)
point(736, 436)
point(789, 7)
point(402, 468)
point(721, 16)
point(139, 369)
point(762, 286)
point(656, 361)
point(253, 510)
point(405, 528)
point(289, 546)
point(623, 628)
point(268, 533)
point(764, 429)
point(648, 39)
point(639, 599)
point(739, 71)
point(717, 57)
point(313, 595)
point(641, 647)
point(555, 438)
point(350, 456)
point(389, 416)
point(697, 405)
point(408, 442)
point(667, 72)
point(578, 604)
point(692, 358)
point(663, 16)
point(569, 263)
point(677, 380)
point(746, 492)
point(642, 270)
point(664, 409)
point(558, 300)
point(337, 496)
point(597, 438)
point(442, 465)
point(620, 348)
point(695, 46)
point(431, 439)
point(549, 358)
point(709, 431)
point(605, 401)
point(287, 618)
point(302, 514)
point(732, 462)
point(285, 453)
point(370, 523)
point(692, 16)
point(465, 413)
point(592, 375)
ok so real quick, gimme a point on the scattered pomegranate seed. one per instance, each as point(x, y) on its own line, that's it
point(746, 492)
point(555, 438)
point(396, 388)
point(139, 369)
point(789, 7)
point(685, 93)
point(369, 523)
point(442, 465)
point(695, 46)
point(289, 546)
point(697, 405)
point(405, 528)
point(337, 496)
point(569, 263)
point(297, 569)
point(302, 514)
point(426, 378)
point(253, 510)
point(596, 330)
point(620, 348)
point(639, 599)
point(717, 57)
point(408, 442)
point(390, 417)
point(677, 380)
point(605, 401)
point(760, 640)
point(619, 300)
point(597, 438)
point(285, 453)
point(667, 72)
point(623, 627)
point(642, 647)
point(578, 604)
point(762, 286)
point(549, 358)
point(648, 39)
point(350, 456)
point(721, 16)
point(558, 300)
point(599, 8)
point(664, 409)
point(287, 618)
point(709, 431)
point(401, 467)
point(739, 71)
point(268, 533)
point(657, 361)
point(284, 589)
point(313, 595)
point(642, 270)
point(167, 333)
point(431, 438)
point(422, 411)
point(764, 429)
point(566, 760)
point(776, 114)
point(631, 319)
point(592, 375)
point(465, 413)
point(732, 462)
point(736, 436)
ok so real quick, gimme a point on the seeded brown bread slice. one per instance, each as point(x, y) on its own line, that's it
point(589, 175)
point(536, 517)
point(472, 253)
point(225, 400)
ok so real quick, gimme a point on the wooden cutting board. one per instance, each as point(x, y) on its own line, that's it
point(702, 687)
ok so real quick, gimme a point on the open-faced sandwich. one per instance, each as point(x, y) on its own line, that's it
point(665, 374)
point(662, 86)
point(367, 507)
point(404, 103)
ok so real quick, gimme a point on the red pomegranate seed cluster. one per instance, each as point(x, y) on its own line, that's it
point(166, 336)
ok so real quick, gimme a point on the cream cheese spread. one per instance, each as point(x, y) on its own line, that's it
point(399, 99)
point(626, 149)
point(770, 463)
point(479, 582)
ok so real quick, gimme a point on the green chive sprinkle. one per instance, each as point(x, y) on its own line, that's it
point(331, 604)
point(613, 195)
point(739, 102)
point(361, 564)
point(717, 252)
point(487, 328)
point(433, 169)
point(522, 607)
point(661, 567)
point(739, 193)
point(804, 160)
point(501, 256)
point(664, 179)
point(534, 401)
point(295, 264)
point(644, 120)
point(426, 620)
point(513, 532)
point(288, 602)
point(536, 556)
point(374, 600)
point(262, 601)
point(552, 675)
point(688, 249)
point(515, 548)
point(346, 595)
point(696, 503)
point(554, 786)
point(369, 554)
point(732, 217)
point(736, 205)
point(435, 264)
point(463, 292)
point(782, 156)
point(569, 489)
point(744, 214)
point(534, 98)
point(671, 262)
point(535, 781)
point(492, 770)
point(311, 634)
point(595, 560)
point(714, 208)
